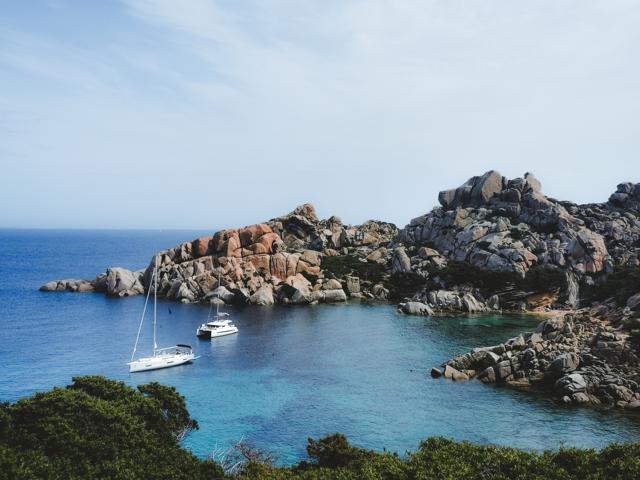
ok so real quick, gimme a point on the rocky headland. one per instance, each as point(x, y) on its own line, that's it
point(293, 259)
point(493, 244)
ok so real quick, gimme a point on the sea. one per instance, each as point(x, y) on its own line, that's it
point(289, 374)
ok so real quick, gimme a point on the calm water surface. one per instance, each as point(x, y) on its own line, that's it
point(290, 373)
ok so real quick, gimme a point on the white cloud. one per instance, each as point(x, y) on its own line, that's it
point(367, 108)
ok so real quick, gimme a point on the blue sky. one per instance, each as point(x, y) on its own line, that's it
point(209, 113)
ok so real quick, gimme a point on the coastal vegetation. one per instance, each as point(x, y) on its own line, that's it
point(99, 428)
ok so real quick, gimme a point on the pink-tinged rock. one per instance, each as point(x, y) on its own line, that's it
point(219, 242)
point(200, 246)
point(265, 243)
point(260, 262)
point(312, 257)
point(284, 265)
point(300, 288)
point(263, 296)
point(278, 266)
point(304, 267)
point(232, 247)
point(252, 233)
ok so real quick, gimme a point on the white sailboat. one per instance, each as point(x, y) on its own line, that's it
point(162, 357)
point(217, 326)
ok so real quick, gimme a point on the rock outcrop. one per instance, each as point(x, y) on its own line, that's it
point(576, 358)
point(626, 196)
point(493, 244)
point(509, 230)
point(279, 261)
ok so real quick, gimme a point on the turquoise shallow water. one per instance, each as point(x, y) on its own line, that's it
point(291, 372)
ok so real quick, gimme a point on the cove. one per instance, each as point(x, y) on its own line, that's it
point(291, 372)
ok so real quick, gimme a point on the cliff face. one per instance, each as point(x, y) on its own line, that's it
point(499, 225)
point(277, 261)
point(491, 227)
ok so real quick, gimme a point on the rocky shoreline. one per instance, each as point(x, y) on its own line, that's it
point(493, 245)
point(576, 358)
point(293, 259)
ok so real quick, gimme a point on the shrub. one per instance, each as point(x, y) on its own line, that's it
point(543, 278)
point(333, 451)
point(460, 273)
point(405, 284)
point(342, 265)
point(99, 428)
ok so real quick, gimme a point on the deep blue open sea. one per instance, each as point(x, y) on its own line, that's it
point(290, 373)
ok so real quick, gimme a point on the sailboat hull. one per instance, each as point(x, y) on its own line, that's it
point(159, 361)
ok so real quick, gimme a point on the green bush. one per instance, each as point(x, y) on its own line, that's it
point(102, 429)
point(542, 278)
point(405, 284)
point(99, 428)
point(439, 458)
point(342, 265)
point(460, 273)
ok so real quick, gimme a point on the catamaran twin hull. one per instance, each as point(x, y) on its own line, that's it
point(160, 361)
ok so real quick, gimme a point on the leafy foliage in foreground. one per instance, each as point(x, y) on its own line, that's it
point(97, 428)
point(438, 458)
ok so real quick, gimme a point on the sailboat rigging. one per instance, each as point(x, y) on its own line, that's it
point(162, 357)
point(218, 326)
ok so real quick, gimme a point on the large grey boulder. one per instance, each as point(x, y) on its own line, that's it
point(570, 384)
point(587, 251)
point(416, 308)
point(627, 196)
point(297, 288)
point(263, 296)
point(485, 358)
point(471, 304)
point(121, 282)
point(444, 299)
point(551, 325)
point(401, 263)
point(474, 192)
point(335, 296)
point(565, 363)
point(222, 293)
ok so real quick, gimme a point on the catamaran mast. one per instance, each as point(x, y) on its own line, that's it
point(218, 302)
point(155, 303)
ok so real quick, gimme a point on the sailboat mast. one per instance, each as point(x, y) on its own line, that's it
point(155, 303)
point(218, 302)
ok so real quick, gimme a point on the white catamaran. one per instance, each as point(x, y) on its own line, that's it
point(162, 357)
point(217, 326)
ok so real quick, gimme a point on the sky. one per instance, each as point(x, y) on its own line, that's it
point(215, 113)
